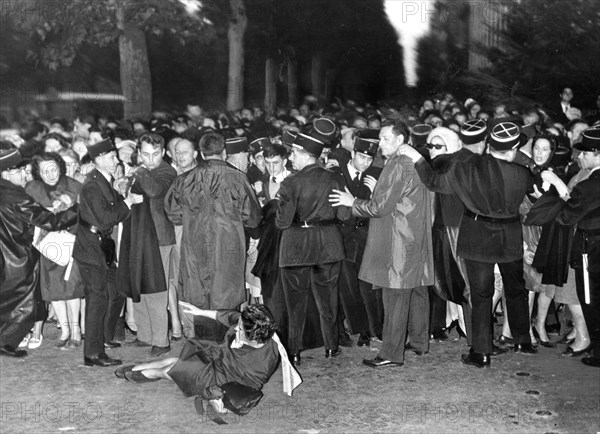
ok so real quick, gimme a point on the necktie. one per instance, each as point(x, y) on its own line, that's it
point(273, 180)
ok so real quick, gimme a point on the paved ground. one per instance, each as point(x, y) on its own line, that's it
point(51, 391)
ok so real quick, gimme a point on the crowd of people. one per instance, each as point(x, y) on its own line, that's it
point(335, 221)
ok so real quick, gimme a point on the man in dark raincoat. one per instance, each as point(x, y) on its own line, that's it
point(214, 202)
point(20, 294)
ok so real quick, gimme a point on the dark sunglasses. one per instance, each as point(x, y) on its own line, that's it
point(431, 146)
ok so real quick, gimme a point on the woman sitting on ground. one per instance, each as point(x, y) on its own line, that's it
point(248, 355)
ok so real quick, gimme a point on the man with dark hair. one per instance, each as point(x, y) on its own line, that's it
point(101, 208)
point(398, 253)
point(491, 189)
point(151, 244)
point(311, 244)
point(20, 293)
point(214, 202)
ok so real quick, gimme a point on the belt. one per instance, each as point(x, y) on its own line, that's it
point(94, 229)
point(479, 217)
point(306, 224)
point(359, 224)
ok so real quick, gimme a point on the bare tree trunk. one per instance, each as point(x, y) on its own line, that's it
point(235, 36)
point(136, 81)
point(292, 81)
point(270, 85)
point(316, 76)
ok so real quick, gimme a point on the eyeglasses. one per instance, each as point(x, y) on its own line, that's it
point(432, 146)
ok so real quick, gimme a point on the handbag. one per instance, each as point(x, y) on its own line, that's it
point(240, 399)
point(57, 246)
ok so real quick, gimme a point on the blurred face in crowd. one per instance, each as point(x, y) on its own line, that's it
point(359, 123)
point(107, 162)
point(541, 151)
point(437, 146)
point(300, 158)
point(125, 154)
point(151, 155)
point(138, 128)
point(589, 159)
point(347, 141)
point(16, 176)
point(361, 161)
point(82, 128)
point(247, 114)
point(389, 142)
point(275, 165)
point(435, 121)
point(474, 110)
point(95, 137)
point(185, 154)
point(576, 131)
point(460, 118)
point(49, 172)
point(259, 161)
point(239, 160)
point(566, 95)
point(71, 164)
point(209, 123)
point(52, 145)
point(374, 123)
point(428, 105)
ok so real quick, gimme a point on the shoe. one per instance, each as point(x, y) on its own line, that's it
point(525, 349)
point(159, 351)
point(565, 340)
point(345, 340)
point(101, 360)
point(62, 343)
point(9, 350)
point(138, 377)
point(476, 359)
point(439, 335)
point(591, 361)
point(176, 338)
point(570, 352)
point(109, 345)
point(379, 362)
point(120, 371)
point(364, 340)
point(133, 332)
point(35, 342)
point(414, 350)
point(74, 343)
point(139, 343)
point(503, 340)
point(295, 359)
point(25, 341)
point(496, 350)
point(333, 353)
point(546, 344)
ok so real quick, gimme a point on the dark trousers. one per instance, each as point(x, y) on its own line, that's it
point(276, 304)
point(405, 310)
point(322, 280)
point(361, 304)
point(103, 305)
point(591, 312)
point(481, 279)
point(437, 311)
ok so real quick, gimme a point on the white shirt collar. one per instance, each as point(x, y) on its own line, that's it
point(279, 178)
point(352, 170)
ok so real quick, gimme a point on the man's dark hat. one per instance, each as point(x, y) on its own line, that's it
point(368, 133)
point(236, 145)
point(258, 145)
point(590, 140)
point(309, 144)
point(473, 131)
point(288, 137)
point(505, 136)
point(324, 130)
point(366, 146)
point(419, 133)
point(100, 148)
point(561, 157)
point(10, 159)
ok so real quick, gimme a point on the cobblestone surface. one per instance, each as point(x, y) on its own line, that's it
point(52, 391)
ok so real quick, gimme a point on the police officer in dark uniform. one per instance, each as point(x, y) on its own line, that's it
point(491, 188)
point(311, 244)
point(361, 304)
point(101, 208)
point(583, 209)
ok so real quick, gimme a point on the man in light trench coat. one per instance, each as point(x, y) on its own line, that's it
point(398, 256)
